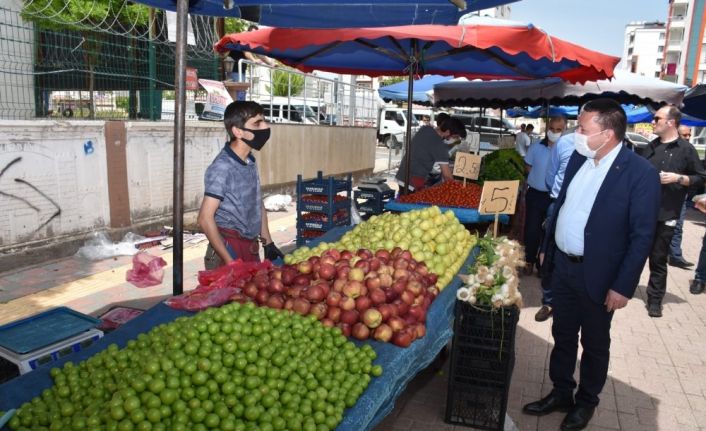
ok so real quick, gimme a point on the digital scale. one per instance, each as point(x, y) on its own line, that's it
point(374, 184)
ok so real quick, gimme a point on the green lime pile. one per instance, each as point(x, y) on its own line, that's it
point(238, 367)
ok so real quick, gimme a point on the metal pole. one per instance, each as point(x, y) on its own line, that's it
point(152, 105)
point(408, 135)
point(179, 129)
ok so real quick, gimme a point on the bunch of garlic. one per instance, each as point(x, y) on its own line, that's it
point(496, 285)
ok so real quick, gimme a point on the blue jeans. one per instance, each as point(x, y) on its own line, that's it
point(700, 274)
point(675, 245)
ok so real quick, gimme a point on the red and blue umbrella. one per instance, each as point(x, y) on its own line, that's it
point(481, 48)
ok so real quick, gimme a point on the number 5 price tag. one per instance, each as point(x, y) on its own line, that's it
point(499, 197)
point(467, 166)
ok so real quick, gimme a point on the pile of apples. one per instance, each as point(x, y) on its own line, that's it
point(383, 295)
point(435, 238)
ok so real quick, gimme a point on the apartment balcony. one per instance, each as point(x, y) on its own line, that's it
point(674, 45)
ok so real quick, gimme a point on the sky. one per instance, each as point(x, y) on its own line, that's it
point(595, 24)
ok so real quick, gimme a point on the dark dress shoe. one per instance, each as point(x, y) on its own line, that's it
point(544, 313)
point(578, 418)
point(654, 310)
point(550, 403)
point(696, 287)
point(679, 263)
point(529, 268)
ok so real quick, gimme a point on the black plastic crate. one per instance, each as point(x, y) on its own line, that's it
point(479, 407)
point(372, 201)
point(482, 360)
point(323, 186)
point(323, 207)
point(311, 235)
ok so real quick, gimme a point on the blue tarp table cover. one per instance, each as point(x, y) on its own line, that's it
point(464, 215)
point(399, 365)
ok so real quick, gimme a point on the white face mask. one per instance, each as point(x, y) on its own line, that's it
point(553, 136)
point(581, 144)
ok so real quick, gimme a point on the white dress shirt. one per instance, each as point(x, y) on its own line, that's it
point(580, 196)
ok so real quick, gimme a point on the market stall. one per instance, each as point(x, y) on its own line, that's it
point(400, 365)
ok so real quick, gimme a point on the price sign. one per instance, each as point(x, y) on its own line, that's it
point(499, 197)
point(473, 140)
point(467, 166)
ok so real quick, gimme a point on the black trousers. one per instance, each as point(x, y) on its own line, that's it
point(536, 204)
point(657, 286)
point(574, 311)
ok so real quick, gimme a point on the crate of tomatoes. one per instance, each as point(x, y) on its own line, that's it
point(447, 194)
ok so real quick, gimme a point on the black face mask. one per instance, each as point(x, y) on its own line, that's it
point(260, 137)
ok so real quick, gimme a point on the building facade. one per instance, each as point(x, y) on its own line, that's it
point(643, 49)
point(684, 60)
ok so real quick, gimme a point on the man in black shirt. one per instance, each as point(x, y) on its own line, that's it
point(679, 166)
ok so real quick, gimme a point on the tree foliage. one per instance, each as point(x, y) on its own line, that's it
point(235, 25)
point(389, 80)
point(286, 84)
point(85, 15)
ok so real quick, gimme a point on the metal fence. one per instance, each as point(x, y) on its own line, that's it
point(294, 97)
point(92, 74)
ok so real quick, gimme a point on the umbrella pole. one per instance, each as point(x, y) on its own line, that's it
point(408, 134)
point(179, 129)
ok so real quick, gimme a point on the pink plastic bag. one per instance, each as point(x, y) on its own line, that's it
point(146, 270)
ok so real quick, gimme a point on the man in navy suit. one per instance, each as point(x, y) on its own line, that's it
point(596, 246)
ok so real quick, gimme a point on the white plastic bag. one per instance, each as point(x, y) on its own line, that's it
point(100, 247)
point(355, 216)
point(277, 202)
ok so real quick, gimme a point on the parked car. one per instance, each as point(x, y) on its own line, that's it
point(637, 139)
point(489, 127)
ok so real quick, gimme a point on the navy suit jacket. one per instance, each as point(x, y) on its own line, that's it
point(620, 227)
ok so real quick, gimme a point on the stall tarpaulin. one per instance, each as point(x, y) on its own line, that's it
point(625, 87)
point(331, 14)
point(481, 48)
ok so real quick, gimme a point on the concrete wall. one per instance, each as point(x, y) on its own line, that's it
point(53, 180)
point(150, 161)
point(60, 180)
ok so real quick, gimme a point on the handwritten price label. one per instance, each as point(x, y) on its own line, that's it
point(499, 197)
point(467, 166)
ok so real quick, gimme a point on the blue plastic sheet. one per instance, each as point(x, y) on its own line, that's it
point(464, 215)
point(399, 365)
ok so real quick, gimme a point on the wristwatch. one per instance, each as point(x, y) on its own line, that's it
point(680, 179)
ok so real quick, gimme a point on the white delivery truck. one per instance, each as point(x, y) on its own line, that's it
point(392, 126)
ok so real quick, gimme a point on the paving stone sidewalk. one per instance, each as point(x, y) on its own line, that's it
point(657, 377)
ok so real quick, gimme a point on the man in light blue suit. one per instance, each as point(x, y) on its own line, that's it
point(597, 242)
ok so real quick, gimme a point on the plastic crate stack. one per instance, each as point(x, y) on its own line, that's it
point(482, 359)
point(320, 208)
point(371, 202)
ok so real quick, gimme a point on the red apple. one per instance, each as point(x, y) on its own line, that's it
point(333, 299)
point(327, 271)
point(347, 303)
point(372, 318)
point(315, 293)
point(349, 316)
point(334, 313)
point(383, 333)
point(302, 306)
point(372, 283)
point(305, 267)
point(396, 323)
point(360, 331)
point(377, 296)
point(362, 303)
point(402, 339)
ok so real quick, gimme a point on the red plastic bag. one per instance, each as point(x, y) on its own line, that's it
point(146, 270)
point(229, 274)
point(217, 286)
point(200, 299)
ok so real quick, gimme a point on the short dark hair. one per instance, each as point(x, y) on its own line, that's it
point(610, 115)
point(441, 117)
point(673, 113)
point(529, 127)
point(455, 126)
point(238, 113)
